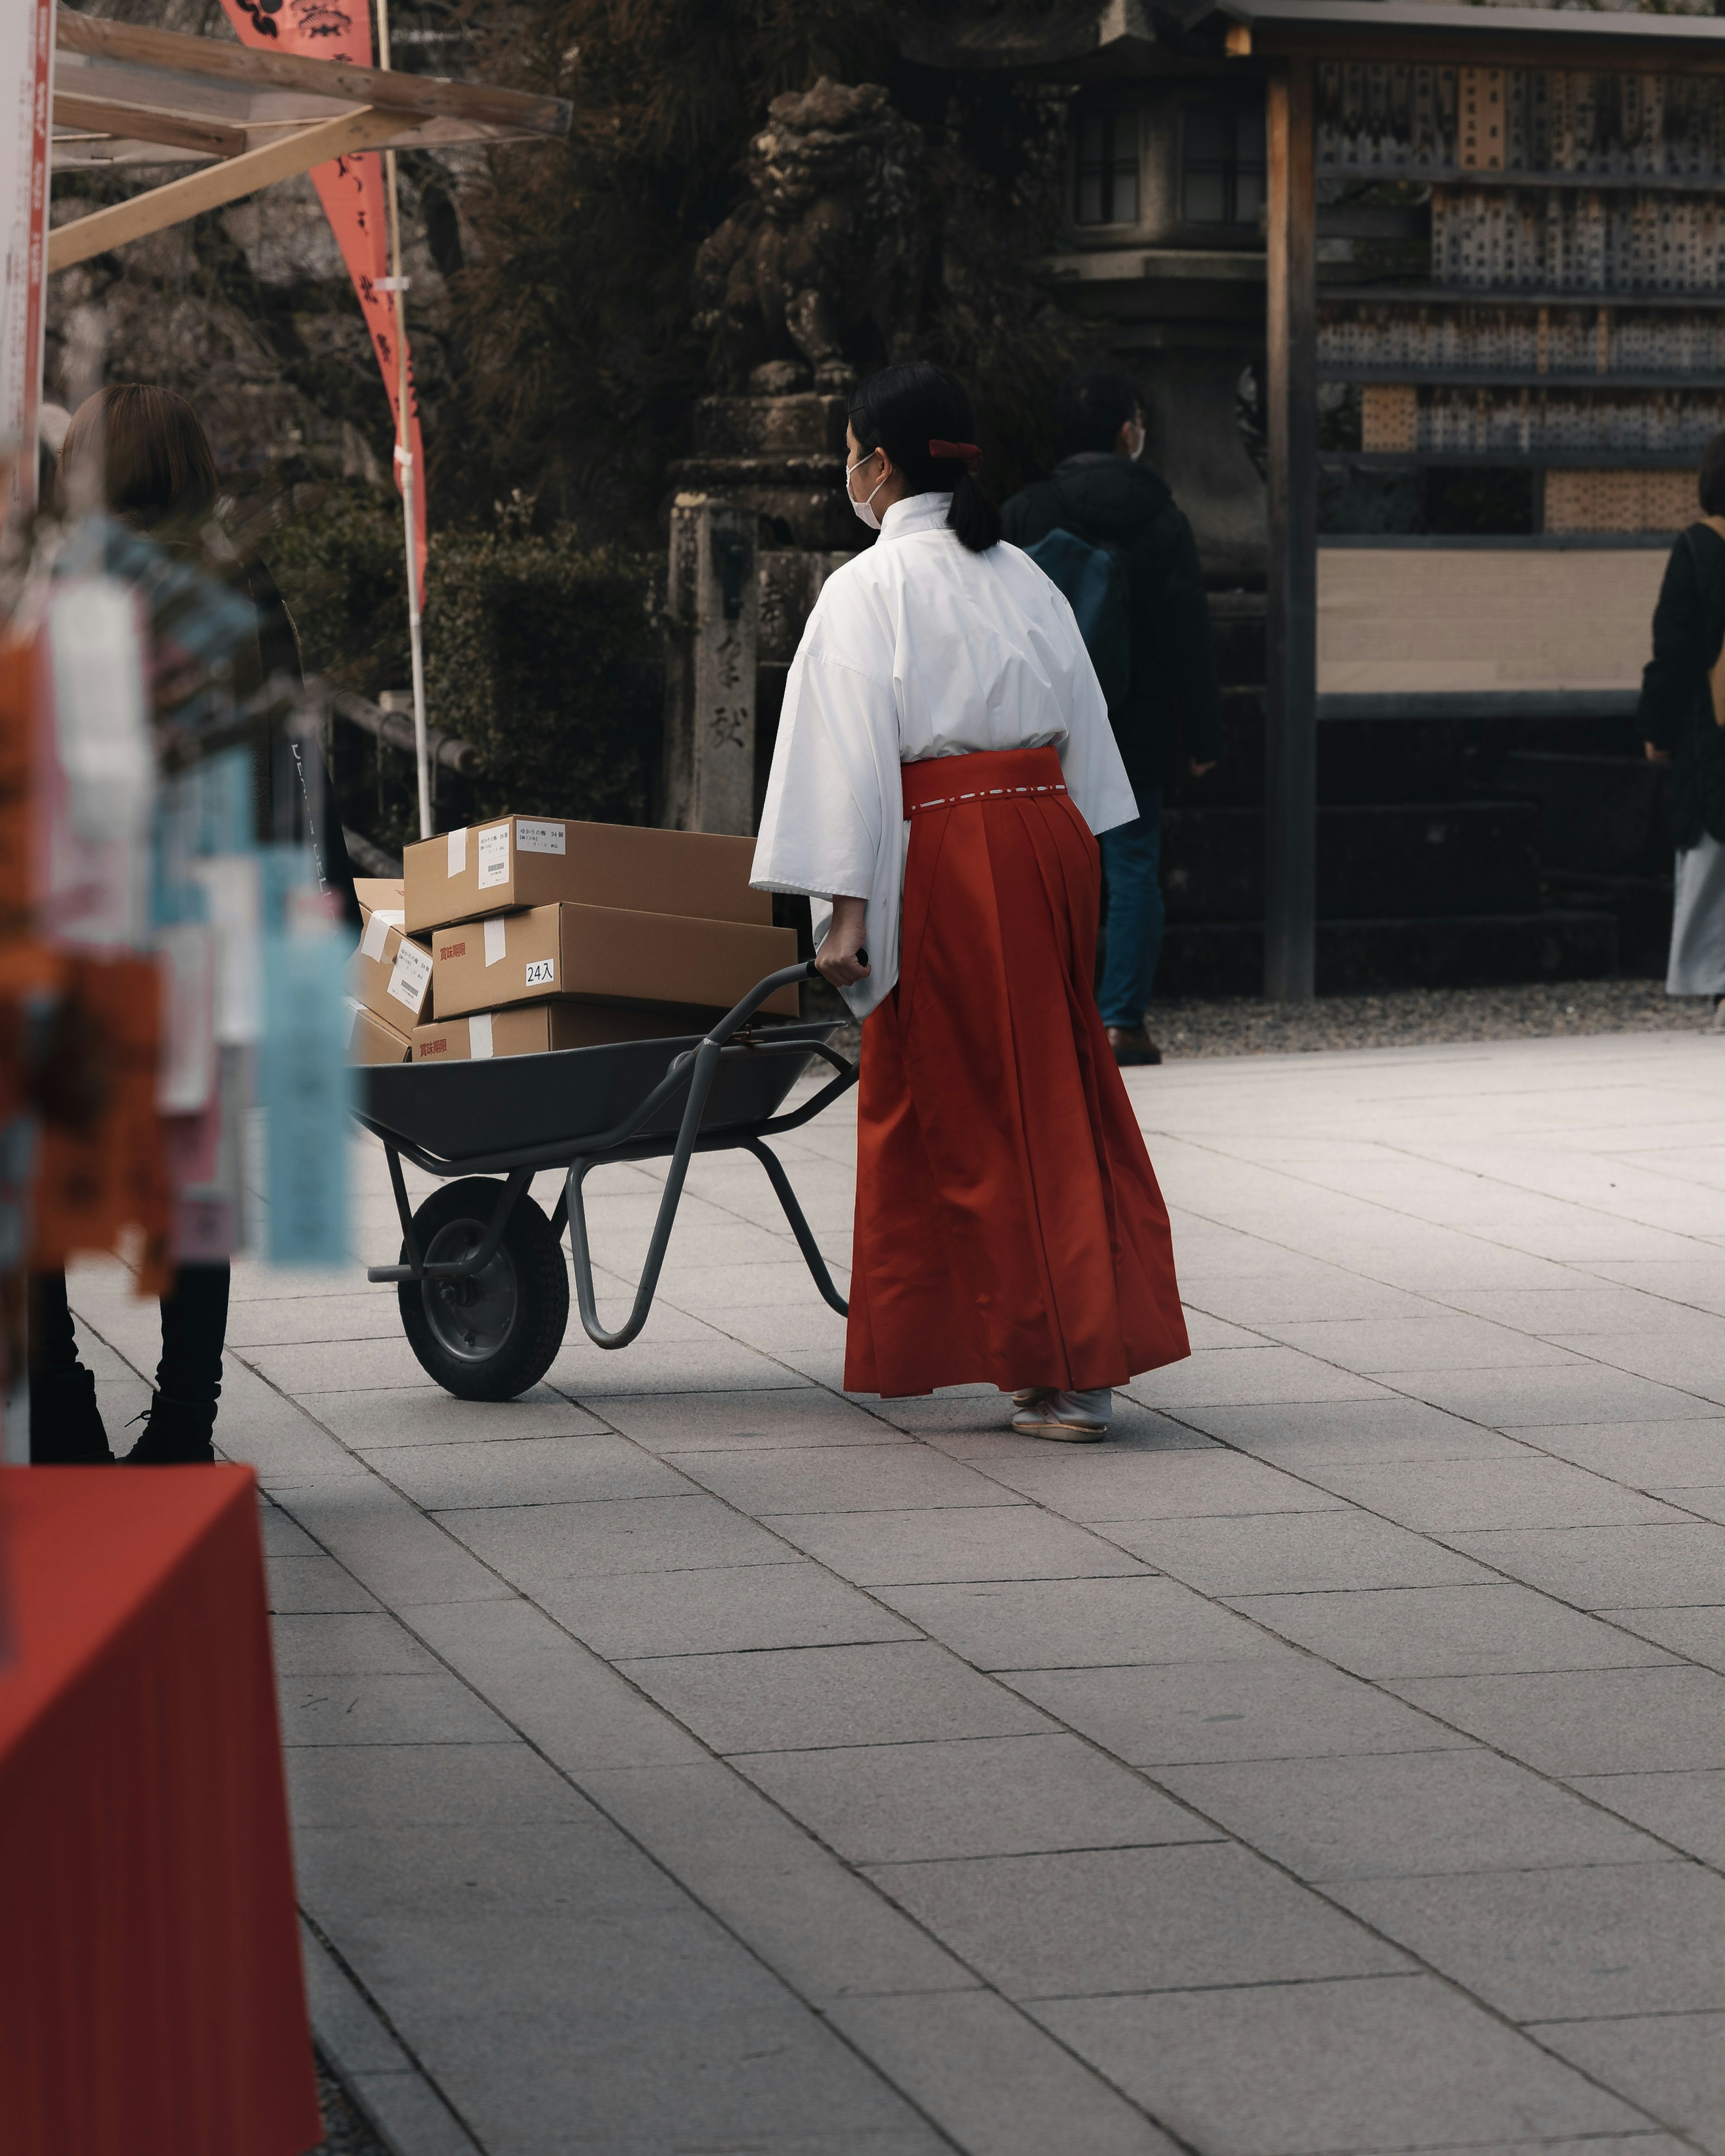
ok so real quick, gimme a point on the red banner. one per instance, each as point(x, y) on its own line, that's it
point(352, 192)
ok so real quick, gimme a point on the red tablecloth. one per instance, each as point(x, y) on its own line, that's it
point(151, 2001)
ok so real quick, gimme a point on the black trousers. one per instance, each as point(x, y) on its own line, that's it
point(194, 1324)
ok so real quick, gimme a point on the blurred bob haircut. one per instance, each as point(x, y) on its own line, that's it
point(1710, 480)
point(141, 453)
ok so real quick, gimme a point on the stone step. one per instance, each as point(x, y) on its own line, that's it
point(1642, 905)
point(1401, 760)
point(1356, 957)
point(1455, 857)
point(1598, 814)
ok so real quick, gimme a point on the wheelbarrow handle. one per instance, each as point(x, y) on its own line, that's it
point(812, 971)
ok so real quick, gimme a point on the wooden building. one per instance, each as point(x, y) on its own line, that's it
point(1475, 257)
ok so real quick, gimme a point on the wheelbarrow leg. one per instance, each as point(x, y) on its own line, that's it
point(800, 1228)
point(409, 1240)
point(706, 1059)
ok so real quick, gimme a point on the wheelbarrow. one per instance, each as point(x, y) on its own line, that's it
point(484, 1291)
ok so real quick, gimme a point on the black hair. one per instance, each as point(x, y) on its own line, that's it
point(1710, 480)
point(1091, 410)
point(902, 410)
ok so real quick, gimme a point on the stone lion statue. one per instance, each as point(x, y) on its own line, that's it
point(827, 259)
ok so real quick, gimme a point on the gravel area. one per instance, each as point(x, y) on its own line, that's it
point(1401, 1018)
point(1413, 1018)
point(346, 2131)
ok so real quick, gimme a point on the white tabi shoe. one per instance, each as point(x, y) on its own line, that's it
point(1067, 1418)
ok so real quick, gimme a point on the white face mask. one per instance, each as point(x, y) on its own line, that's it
point(865, 509)
point(1137, 447)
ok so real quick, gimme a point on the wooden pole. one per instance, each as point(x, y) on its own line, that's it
point(1291, 690)
point(404, 463)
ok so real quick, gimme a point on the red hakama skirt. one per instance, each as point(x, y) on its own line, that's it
point(1009, 1230)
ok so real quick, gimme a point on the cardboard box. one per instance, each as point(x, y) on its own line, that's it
point(376, 892)
point(391, 972)
point(528, 861)
point(537, 1028)
point(601, 954)
point(373, 1039)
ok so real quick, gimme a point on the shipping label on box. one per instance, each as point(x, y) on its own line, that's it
point(390, 974)
point(520, 861)
point(601, 954)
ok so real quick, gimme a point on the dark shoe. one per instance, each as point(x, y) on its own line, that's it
point(176, 1436)
point(1132, 1045)
point(65, 1423)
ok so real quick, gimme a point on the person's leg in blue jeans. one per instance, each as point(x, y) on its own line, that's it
point(1132, 862)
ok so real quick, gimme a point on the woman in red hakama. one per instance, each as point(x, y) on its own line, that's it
point(943, 762)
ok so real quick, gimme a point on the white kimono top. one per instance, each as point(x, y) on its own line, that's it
point(919, 647)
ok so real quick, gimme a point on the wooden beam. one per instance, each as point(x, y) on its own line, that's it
point(99, 38)
point(1472, 43)
point(137, 123)
point(1290, 690)
point(216, 184)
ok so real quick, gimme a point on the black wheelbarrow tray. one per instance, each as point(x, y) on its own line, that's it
point(484, 1295)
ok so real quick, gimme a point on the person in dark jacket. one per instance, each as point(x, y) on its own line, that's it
point(1678, 725)
point(1104, 495)
point(142, 455)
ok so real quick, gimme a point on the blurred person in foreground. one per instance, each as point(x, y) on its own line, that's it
point(943, 761)
point(1682, 721)
point(142, 455)
point(1166, 696)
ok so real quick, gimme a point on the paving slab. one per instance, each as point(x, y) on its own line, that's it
point(1096, 1920)
point(797, 1699)
point(1405, 1814)
point(524, 1470)
point(868, 1478)
point(1671, 1563)
point(1387, 1427)
point(1271, 1706)
point(1078, 1624)
point(1433, 1496)
point(980, 1796)
point(1457, 1631)
point(1698, 1635)
point(1012, 1541)
point(540, 1546)
point(993, 2079)
point(1304, 2069)
point(719, 1609)
point(1586, 1722)
point(1567, 1943)
point(1673, 2064)
point(671, 1423)
point(1290, 1553)
point(827, 1931)
point(1683, 1807)
point(1106, 1482)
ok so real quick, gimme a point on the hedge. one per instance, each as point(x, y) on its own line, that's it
point(540, 650)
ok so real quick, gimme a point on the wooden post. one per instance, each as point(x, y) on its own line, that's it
point(713, 598)
point(1290, 690)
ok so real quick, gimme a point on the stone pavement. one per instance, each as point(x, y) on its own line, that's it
point(689, 1758)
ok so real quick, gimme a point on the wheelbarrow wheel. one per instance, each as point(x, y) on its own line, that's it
point(493, 1336)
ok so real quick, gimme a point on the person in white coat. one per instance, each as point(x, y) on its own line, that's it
point(943, 763)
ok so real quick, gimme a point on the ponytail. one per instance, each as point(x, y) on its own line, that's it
point(974, 516)
point(922, 417)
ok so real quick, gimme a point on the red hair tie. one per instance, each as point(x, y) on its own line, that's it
point(966, 453)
